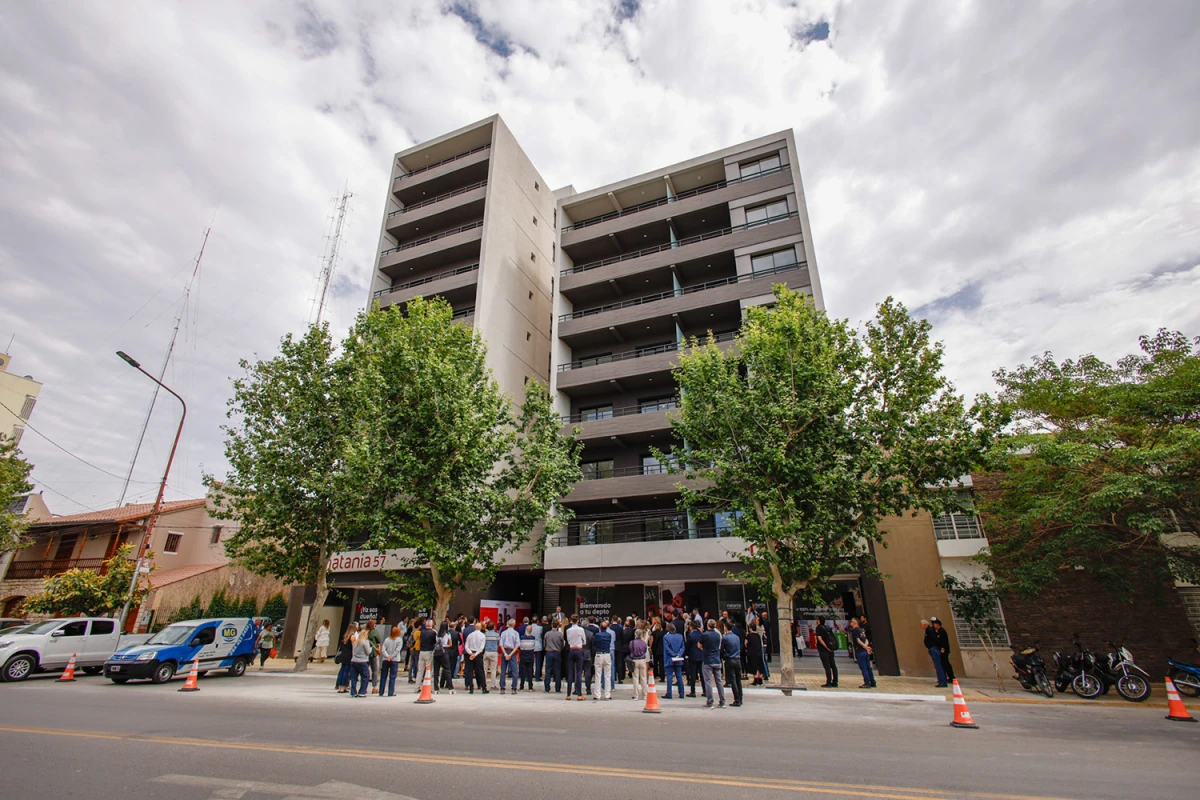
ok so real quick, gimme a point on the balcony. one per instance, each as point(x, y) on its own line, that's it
point(625, 482)
point(458, 244)
point(635, 422)
point(428, 286)
point(719, 193)
point(691, 298)
point(691, 247)
point(19, 570)
point(605, 370)
point(457, 206)
point(442, 176)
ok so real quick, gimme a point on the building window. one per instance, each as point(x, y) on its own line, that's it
point(723, 522)
point(173, 540)
point(752, 168)
point(595, 413)
point(969, 639)
point(27, 409)
point(669, 526)
point(958, 525)
point(657, 404)
point(653, 466)
point(216, 535)
point(1190, 597)
point(597, 470)
point(767, 212)
point(777, 259)
point(18, 432)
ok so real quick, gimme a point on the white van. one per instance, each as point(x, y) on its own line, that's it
point(49, 645)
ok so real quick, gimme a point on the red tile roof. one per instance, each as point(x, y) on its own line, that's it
point(129, 513)
point(166, 577)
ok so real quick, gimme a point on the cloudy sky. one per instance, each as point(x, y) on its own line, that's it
point(1028, 181)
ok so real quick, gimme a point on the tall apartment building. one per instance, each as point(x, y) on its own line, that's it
point(593, 293)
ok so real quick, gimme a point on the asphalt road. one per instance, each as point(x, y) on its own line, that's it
point(292, 737)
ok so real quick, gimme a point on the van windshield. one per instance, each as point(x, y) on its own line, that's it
point(172, 634)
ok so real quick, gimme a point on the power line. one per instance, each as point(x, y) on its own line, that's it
point(65, 450)
point(45, 485)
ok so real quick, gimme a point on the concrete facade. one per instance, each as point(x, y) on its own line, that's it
point(593, 293)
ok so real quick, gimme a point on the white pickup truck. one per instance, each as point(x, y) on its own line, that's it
point(49, 645)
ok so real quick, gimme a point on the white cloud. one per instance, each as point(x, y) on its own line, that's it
point(1029, 180)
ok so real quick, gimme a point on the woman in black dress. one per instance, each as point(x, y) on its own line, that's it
point(754, 654)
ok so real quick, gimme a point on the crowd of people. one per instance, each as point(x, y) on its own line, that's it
point(590, 656)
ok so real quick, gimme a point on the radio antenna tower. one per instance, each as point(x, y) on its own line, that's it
point(329, 260)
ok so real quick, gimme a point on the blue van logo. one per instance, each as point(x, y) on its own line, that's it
point(229, 633)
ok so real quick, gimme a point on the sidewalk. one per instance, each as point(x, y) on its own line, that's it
point(975, 690)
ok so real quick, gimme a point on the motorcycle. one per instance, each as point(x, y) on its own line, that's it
point(1031, 671)
point(1118, 669)
point(1077, 672)
point(1186, 677)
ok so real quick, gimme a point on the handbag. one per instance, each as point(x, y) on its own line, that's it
point(274, 652)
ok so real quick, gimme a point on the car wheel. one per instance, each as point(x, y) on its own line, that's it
point(92, 670)
point(19, 668)
point(163, 672)
point(119, 680)
point(239, 668)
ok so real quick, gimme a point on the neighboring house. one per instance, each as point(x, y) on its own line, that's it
point(186, 546)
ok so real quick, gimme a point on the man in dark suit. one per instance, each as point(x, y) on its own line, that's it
point(942, 638)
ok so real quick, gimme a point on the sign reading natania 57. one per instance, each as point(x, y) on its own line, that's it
point(360, 560)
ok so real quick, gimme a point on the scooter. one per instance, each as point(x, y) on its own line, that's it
point(1186, 677)
point(1031, 671)
point(1118, 669)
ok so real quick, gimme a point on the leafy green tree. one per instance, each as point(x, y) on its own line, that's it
point(88, 592)
point(1101, 471)
point(816, 433)
point(444, 468)
point(284, 449)
point(14, 482)
point(976, 602)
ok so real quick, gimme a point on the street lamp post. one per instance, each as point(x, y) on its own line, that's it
point(153, 518)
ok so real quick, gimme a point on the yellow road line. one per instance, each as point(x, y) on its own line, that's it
point(812, 787)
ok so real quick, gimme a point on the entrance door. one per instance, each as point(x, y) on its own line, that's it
point(66, 547)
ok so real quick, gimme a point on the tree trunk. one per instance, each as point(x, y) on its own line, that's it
point(787, 667)
point(314, 614)
point(444, 595)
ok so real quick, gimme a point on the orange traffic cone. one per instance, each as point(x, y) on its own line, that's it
point(69, 672)
point(426, 688)
point(651, 698)
point(1176, 710)
point(962, 717)
point(193, 678)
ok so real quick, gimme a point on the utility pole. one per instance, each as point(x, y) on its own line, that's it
point(329, 261)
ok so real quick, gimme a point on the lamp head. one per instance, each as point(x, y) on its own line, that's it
point(128, 359)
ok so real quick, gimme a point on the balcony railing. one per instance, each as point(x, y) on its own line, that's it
point(428, 167)
point(466, 312)
point(44, 569)
point(434, 237)
point(653, 298)
point(639, 353)
point(428, 279)
point(712, 187)
point(603, 473)
point(662, 526)
point(646, 251)
point(624, 411)
point(439, 198)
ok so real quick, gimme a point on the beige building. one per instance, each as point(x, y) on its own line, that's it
point(186, 543)
point(593, 292)
point(18, 395)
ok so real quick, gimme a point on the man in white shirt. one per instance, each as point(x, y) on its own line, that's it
point(473, 669)
point(539, 649)
point(577, 644)
point(510, 653)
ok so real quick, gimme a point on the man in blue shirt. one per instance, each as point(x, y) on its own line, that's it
point(710, 670)
point(673, 646)
point(602, 641)
point(731, 656)
point(695, 656)
point(510, 647)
